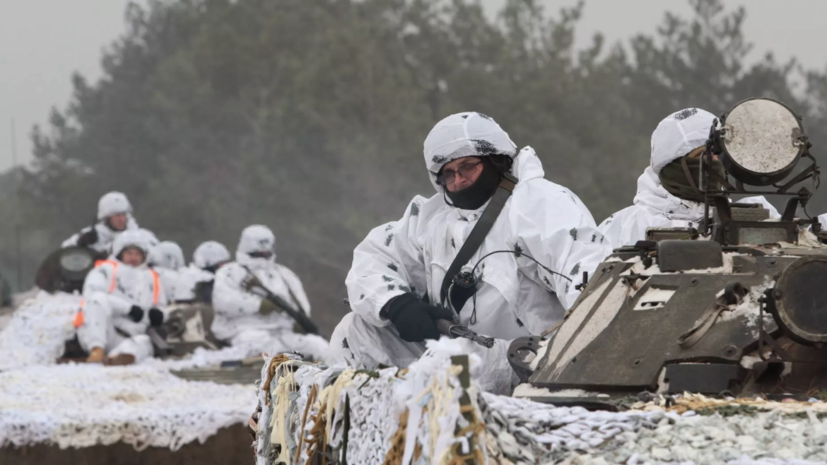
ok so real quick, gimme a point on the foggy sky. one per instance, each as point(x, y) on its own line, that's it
point(42, 42)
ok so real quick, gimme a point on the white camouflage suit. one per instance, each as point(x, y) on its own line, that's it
point(167, 259)
point(237, 317)
point(112, 203)
point(206, 256)
point(109, 292)
point(654, 207)
point(515, 298)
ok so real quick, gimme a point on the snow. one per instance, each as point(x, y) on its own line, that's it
point(85, 405)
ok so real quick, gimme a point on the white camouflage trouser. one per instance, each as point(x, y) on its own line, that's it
point(98, 330)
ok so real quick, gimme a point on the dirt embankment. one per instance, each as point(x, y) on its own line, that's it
point(231, 446)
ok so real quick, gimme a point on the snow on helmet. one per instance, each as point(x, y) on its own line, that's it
point(209, 254)
point(131, 238)
point(113, 203)
point(167, 255)
point(678, 134)
point(468, 134)
point(256, 239)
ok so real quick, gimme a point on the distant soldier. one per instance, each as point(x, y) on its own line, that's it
point(195, 282)
point(114, 217)
point(122, 298)
point(244, 317)
point(167, 259)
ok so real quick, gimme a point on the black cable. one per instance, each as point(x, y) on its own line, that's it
point(518, 254)
point(804, 208)
point(473, 319)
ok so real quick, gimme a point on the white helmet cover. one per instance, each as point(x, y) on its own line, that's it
point(149, 237)
point(468, 134)
point(255, 238)
point(679, 134)
point(113, 203)
point(131, 238)
point(167, 255)
point(209, 254)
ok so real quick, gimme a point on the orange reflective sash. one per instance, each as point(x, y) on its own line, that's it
point(114, 264)
point(78, 322)
point(156, 286)
point(156, 289)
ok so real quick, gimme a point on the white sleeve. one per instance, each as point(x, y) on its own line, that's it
point(295, 285)
point(98, 282)
point(556, 229)
point(229, 298)
point(169, 279)
point(388, 263)
point(764, 202)
point(71, 242)
point(625, 227)
point(185, 285)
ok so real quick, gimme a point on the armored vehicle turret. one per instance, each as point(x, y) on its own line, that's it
point(736, 307)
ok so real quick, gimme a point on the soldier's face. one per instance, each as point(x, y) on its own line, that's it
point(132, 256)
point(118, 221)
point(461, 173)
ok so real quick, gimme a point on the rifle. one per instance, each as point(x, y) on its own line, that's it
point(297, 315)
point(455, 330)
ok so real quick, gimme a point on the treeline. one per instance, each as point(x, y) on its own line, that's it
point(309, 116)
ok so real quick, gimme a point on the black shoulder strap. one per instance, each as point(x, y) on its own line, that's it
point(486, 221)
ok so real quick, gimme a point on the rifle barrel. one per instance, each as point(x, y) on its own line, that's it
point(454, 330)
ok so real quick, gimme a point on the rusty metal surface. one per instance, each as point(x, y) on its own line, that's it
point(230, 446)
point(630, 352)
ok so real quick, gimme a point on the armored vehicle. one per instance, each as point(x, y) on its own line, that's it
point(736, 307)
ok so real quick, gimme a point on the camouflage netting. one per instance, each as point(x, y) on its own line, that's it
point(420, 415)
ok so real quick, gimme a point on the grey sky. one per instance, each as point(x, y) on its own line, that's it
point(42, 42)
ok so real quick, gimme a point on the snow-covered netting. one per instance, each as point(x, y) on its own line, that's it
point(419, 416)
point(86, 405)
point(36, 334)
point(37, 331)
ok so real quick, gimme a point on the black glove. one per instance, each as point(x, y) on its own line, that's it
point(88, 238)
point(414, 319)
point(156, 317)
point(136, 313)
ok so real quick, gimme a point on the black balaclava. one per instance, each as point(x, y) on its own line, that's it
point(675, 181)
point(475, 195)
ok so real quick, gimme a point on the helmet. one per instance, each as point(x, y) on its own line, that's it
point(149, 237)
point(209, 254)
point(130, 238)
point(468, 134)
point(256, 239)
point(113, 203)
point(166, 255)
point(679, 134)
